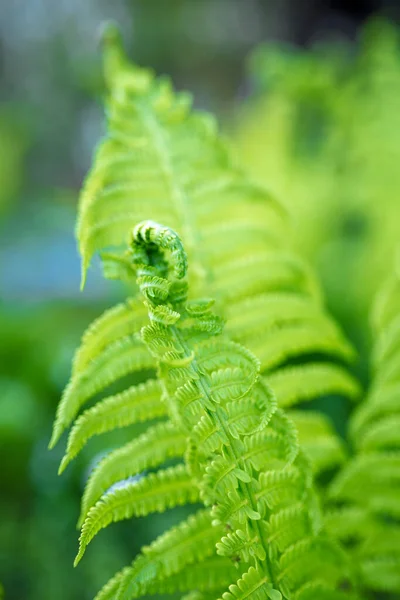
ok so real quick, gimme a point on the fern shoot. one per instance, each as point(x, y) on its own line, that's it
point(259, 534)
point(161, 159)
point(241, 455)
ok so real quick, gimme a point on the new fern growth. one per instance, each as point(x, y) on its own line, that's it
point(161, 160)
point(241, 459)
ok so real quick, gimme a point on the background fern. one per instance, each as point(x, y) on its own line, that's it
point(321, 133)
point(367, 490)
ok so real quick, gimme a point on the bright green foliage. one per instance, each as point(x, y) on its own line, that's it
point(243, 455)
point(159, 159)
point(154, 493)
point(322, 134)
point(368, 488)
point(235, 450)
point(150, 450)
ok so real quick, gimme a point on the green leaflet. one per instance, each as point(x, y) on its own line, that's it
point(124, 356)
point(116, 323)
point(209, 575)
point(189, 542)
point(299, 340)
point(381, 403)
point(254, 585)
point(323, 558)
point(153, 493)
point(318, 379)
point(149, 450)
point(136, 404)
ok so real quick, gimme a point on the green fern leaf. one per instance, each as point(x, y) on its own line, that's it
point(149, 450)
point(109, 591)
point(241, 497)
point(189, 542)
point(134, 405)
point(253, 585)
point(298, 340)
point(153, 493)
point(210, 575)
point(325, 561)
point(125, 356)
point(159, 159)
point(365, 495)
point(119, 321)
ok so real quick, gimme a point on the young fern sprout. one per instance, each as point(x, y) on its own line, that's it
point(234, 449)
point(163, 159)
point(241, 454)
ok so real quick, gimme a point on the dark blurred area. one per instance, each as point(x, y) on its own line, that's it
point(50, 120)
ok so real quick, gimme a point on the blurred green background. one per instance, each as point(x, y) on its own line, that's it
point(315, 90)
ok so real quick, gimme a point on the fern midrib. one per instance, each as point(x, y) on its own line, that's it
point(231, 451)
point(178, 194)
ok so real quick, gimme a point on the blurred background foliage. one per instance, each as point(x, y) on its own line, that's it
point(315, 117)
point(323, 133)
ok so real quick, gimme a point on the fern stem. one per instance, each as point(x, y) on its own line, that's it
point(230, 450)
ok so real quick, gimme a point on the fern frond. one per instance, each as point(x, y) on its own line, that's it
point(124, 356)
point(381, 403)
point(212, 574)
point(110, 589)
point(382, 572)
point(299, 340)
point(349, 523)
point(381, 435)
point(244, 497)
point(149, 450)
point(154, 493)
point(136, 404)
point(287, 526)
point(118, 322)
point(371, 480)
point(367, 490)
point(269, 310)
point(324, 562)
point(162, 159)
point(191, 541)
point(318, 589)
